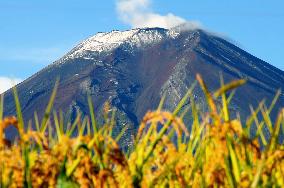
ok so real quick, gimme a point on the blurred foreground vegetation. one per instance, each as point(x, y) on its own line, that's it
point(214, 151)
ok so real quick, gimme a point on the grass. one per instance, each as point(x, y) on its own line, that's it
point(216, 151)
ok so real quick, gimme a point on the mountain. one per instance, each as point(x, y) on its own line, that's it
point(133, 69)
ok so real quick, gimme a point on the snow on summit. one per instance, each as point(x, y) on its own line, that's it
point(105, 42)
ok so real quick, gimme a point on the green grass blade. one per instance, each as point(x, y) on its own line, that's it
point(165, 127)
point(119, 136)
point(88, 127)
point(92, 114)
point(193, 143)
point(29, 128)
point(70, 130)
point(268, 113)
point(282, 123)
point(73, 167)
point(232, 94)
point(19, 112)
point(49, 107)
point(252, 118)
point(162, 101)
point(50, 132)
point(229, 173)
point(36, 121)
point(1, 106)
point(257, 176)
point(225, 103)
point(232, 85)
point(112, 122)
point(61, 121)
point(83, 126)
point(276, 131)
point(234, 160)
point(210, 101)
point(184, 99)
point(259, 131)
point(267, 119)
point(57, 126)
point(275, 99)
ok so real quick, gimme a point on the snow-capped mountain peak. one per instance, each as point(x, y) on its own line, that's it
point(132, 70)
point(105, 42)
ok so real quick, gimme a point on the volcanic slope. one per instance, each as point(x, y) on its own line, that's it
point(133, 69)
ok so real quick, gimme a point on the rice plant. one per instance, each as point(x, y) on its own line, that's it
point(213, 151)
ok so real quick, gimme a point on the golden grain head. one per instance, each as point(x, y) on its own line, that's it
point(212, 151)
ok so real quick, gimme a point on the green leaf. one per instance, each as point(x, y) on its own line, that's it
point(234, 160)
point(1, 106)
point(27, 171)
point(119, 136)
point(259, 131)
point(225, 103)
point(209, 99)
point(19, 112)
point(229, 173)
point(49, 107)
point(276, 131)
point(92, 114)
point(232, 85)
point(70, 130)
point(259, 170)
point(57, 126)
point(165, 127)
point(66, 183)
point(36, 121)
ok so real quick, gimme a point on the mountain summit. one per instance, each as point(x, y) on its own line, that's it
point(133, 69)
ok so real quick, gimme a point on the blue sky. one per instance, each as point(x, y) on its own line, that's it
point(35, 33)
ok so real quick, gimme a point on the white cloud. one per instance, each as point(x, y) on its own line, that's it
point(138, 13)
point(7, 83)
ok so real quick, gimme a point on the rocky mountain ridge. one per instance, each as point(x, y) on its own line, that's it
point(133, 69)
